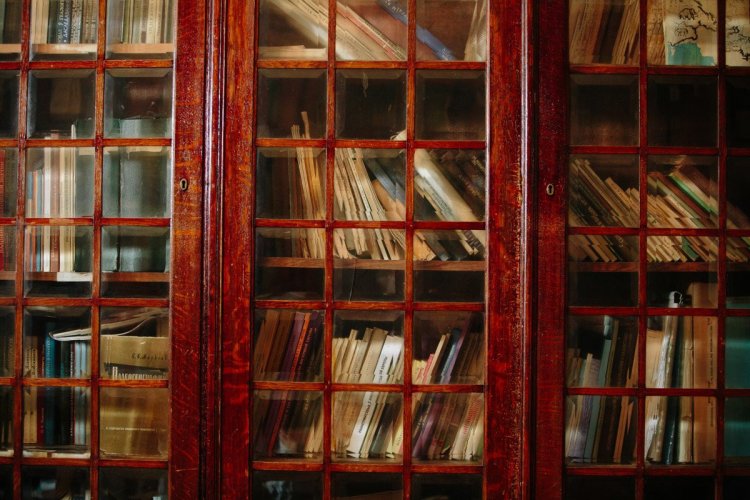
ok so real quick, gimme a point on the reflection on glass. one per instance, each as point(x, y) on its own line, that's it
point(57, 342)
point(58, 260)
point(603, 32)
point(738, 33)
point(691, 441)
point(287, 424)
point(451, 30)
point(591, 488)
point(369, 184)
point(682, 111)
point(270, 485)
point(288, 345)
point(370, 103)
point(450, 185)
point(738, 184)
point(60, 182)
point(140, 33)
point(367, 425)
point(738, 110)
point(290, 183)
point(737, 352)
point(10, 40)
point(8, 104)
point(737, 429)
point(6, 422)
point(683, 191)
point(61, 104)
point(56, 421)
point(601, 351)
point(55, 482)
point(447, 267)
point(292, 103)
point(682, 271)
point(455, 419)
point(289, 263)
point(591, 254)
point(138, 103)
point(135, 261)
point(377, 486)
point(7, 260)
point(8, 181)
point(682, 32)
point(133, 423)
point(600, 429)
point(292, 29)
point(7, 341)
point(136, 182)
point(681, 351)
point(368, 347)
point(604, 110)
point(603, 191)
point(117, 483)
point(369, 264)
point(134, 343)
point(450, 105)
point(449, 486)
point(448, 348)
point(61, 31)
point(371, 30)
point(738, 272)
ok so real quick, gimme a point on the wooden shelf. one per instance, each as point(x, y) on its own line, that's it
point(10, 48)
point(63, 49)
point(68, 277)
point(135, 49)
point(384, 265)
point(121, 277)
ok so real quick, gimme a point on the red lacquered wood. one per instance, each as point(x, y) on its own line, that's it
point(601, 470)
point(369, 467)
point(140, 464)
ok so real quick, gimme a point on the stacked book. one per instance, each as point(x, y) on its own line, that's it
point(288, 424)
point(64, 21)
point(142, 21)
point(367, 425)
point(448, 427)
point(56, 419)
point(368, 355)
point(604, 32)
point(288, 346)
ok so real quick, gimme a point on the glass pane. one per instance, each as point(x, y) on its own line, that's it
point(680, 430)
point(451, 29)
point(8, 103)
point(370, 104)
point(6, 423)
point(682, 111)
point(7, 260)
point(448, 348)
point(291, 103)
point(138, 103)
point(60, 182)
point(681, 351)
point(138, 33)
point(368, 264)
point(682, 32)
point(292, 29)
point(738, 184)
point(61, 104)
point(134, 423)
point(287, 424)
point(56, 421)
point(449, 185)
point(737, 353)
point(450, 105)
point(603, 32)
point(57, 342)
point(289, 263)
point(369, 184)
point(55, 482)
point(10, 35)
point(601, 351)
point(7, 341)
point(686, 488)
point(290, 183)
point(8, 182)
point(288, 345)
point(736, 488)
point(738, 110)
point(592, 488)
point(604, 110)
point(136, 182)
point(683, 191)
point(371, 30)
point(600, 429)
point(603, 191)
point(135, 261)
point(738, 33)
point(737, 429)
point(272, 485)
point(447, 427)
point(447, 486)
point(593, 256)
point(117, 483)
point(134, 343)
point(367, 425)
point(447, 267)
point(738, 272)
point(366, 485)
point(64, 29)
point(368, 347)
point(680, 266)
point(58, 261)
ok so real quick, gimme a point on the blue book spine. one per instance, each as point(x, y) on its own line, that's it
point(424, 36)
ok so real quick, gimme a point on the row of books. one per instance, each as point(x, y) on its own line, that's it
point(287, 425)
point(43, 356)
point(6, 419)
point(604, 32)
point(369, 355)
point(600, 429)
point(10, 21)
point(369, 425)
point(143, 21)
point(288, 345)
point(63, 21)
point(51, 187)
point(458, 358)
point(57, 249)
point(56, 419)
point(7, 351)
point(448, 427)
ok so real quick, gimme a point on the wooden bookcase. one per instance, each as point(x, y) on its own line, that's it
point(102, 168)
point(287, 408)
point(641, 389)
